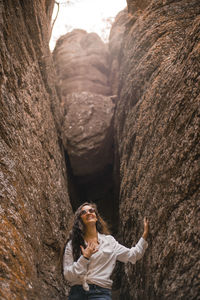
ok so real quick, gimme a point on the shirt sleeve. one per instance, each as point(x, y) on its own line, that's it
point(133, 254)
point(72, 270)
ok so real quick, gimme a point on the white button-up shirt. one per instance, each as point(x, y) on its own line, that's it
point(98, 268)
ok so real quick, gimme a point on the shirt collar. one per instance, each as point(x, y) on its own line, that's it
point(100, 238)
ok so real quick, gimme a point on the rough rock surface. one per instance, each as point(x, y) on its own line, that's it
point(157, 143)
point(81, 61)
point(137, 5)
point(34, 203)
point(157, 136)
point(87, 132)
point(115, 44)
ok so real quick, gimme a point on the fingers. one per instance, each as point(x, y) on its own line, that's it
point(146, 228)
point(89, 250)
point(146, 224)
point(92, 247)
point(82, 249)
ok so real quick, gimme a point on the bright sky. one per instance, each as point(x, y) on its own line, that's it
point(89, 15)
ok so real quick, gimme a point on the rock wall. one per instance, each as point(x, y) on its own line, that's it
point(34, 203)
point(115, 44)
point(157, 142)
point(137, 5)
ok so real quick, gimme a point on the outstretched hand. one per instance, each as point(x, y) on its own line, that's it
point(146, 228)
point(89, 250)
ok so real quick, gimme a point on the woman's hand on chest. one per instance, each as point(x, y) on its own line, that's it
point(90, 249)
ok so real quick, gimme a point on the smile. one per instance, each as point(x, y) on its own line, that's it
point(90, 217)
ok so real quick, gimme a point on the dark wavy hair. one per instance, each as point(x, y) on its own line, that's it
point(77, 232)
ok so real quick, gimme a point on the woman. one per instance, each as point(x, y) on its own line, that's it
point(91, 253)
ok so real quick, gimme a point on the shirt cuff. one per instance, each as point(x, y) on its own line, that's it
point(143, 243)
point(83, 261)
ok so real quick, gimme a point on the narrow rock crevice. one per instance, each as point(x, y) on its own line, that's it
point(137, 152)
point(98, 188)
point(81, 60)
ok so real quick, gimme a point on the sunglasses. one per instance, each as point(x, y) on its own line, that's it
point(85, 211)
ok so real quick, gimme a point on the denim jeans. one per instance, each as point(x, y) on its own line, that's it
point(95, 292)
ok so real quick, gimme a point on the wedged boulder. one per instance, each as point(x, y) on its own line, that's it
point(81, 61)
point(87, 131)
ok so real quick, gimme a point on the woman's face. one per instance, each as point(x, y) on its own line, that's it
point(88, 215)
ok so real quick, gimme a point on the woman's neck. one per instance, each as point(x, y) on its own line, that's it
point(91, 233)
